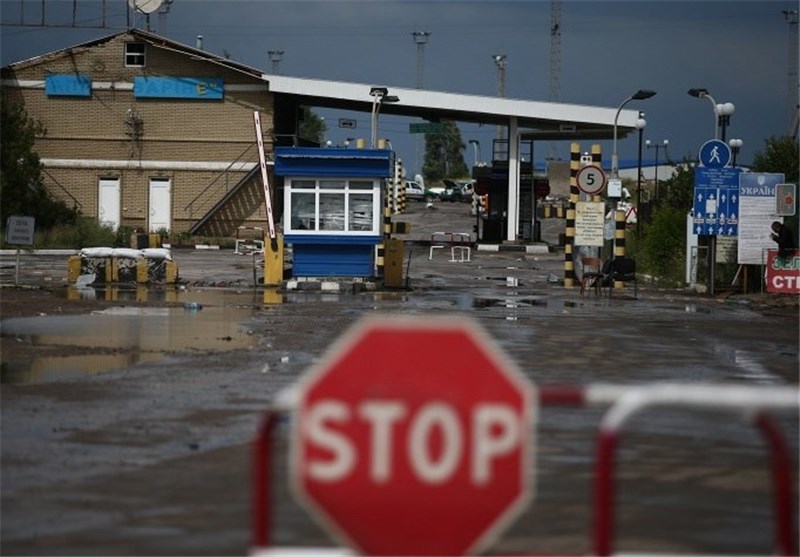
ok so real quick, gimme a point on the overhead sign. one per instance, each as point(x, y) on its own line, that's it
point(591, 179)
point(715, 154)
point(412, 437)
point(19, 230)
point(589, 222)
point(785, 200)
point(429, 127)
point(757, 213)
point(716, 201)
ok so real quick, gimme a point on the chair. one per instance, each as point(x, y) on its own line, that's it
point(623, 269)
point(593, 275)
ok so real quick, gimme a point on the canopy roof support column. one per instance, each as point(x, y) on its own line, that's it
point(512, 220)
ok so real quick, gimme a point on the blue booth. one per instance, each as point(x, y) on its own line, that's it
point(332, 208)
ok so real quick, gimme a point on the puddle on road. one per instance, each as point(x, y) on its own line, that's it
point(123, 336)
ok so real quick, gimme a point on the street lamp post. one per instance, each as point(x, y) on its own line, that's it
point(476, 146)
point(656, 146)
point(722, 114)
point(641, 124)
point(724, 111)
point(703, 94)
point(639, 95)
point(735, 145)
point(379, 96)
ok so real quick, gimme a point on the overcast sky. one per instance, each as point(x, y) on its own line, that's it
point(738, 50)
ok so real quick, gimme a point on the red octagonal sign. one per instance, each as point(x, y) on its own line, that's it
point(413, 437)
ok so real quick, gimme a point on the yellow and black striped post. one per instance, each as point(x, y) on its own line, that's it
point(400, 187)
point(574, 167)
point(380, 255)
point(619, 241)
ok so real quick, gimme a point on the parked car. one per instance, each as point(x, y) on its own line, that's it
point(414, 191)
point(453, 191)
point(467, 187)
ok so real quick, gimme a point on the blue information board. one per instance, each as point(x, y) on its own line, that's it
point(716, 201)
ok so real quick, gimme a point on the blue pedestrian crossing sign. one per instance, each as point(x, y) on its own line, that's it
point(715, 154)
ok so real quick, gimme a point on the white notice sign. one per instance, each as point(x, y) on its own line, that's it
point(589, 220)
point(756, 215)
point(19, 231)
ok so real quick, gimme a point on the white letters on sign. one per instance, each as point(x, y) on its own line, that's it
point(494, 430)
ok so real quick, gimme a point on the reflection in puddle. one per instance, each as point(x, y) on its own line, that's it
point(123, 336)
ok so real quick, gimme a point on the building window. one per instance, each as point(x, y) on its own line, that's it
point(134, 55)
point(326, 206)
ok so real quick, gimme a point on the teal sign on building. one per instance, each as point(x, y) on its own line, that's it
point(201, 88)
point(68, 85)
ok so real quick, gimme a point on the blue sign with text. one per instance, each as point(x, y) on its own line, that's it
point(716, 201)
point(201, 88)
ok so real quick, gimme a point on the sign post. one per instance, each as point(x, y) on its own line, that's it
point(716, 198)
point(19, 231)
point(412, 437)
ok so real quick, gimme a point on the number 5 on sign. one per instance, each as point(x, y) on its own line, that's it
point(591, 180)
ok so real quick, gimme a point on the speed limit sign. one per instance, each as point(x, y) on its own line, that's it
point(591, 179)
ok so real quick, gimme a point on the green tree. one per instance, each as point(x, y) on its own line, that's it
point(444, 156)
point(781, 154)
point(21, 186)
point(312, 127)
point(680, 187)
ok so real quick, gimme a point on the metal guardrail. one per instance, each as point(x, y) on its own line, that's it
point(623, 403)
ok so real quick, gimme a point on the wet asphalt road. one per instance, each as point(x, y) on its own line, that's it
point(153, 457)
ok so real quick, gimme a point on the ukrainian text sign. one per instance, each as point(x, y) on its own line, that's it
point(757, 213)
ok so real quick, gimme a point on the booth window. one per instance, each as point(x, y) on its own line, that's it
point(333, 206)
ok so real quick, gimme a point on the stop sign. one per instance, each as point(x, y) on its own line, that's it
point(413, 437)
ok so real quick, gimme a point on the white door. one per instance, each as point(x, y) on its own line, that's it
point(160, 203)
point(108, 207)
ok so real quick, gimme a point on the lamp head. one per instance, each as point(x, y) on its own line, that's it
point(390, 99)
point(378, 91)
point(642, 94)
point(699, 93)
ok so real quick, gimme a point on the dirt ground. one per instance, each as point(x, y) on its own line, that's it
point(154, 457)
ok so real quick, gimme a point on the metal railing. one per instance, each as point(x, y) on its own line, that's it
point(622, 403)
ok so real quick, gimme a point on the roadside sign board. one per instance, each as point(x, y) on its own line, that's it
point(589, 222)
point(785, 200)
point(591, 179)
point(757, 213)
point(783, 273)
point(716, 201)
point(412, 437)
point(19, 230)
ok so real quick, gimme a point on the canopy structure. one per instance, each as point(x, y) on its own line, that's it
point(525, 120)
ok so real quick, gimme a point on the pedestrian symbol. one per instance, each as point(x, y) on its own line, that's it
point(715, 154)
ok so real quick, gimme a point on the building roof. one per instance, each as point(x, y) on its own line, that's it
point(148, 37)
point(538, 120)
point(535, 119)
